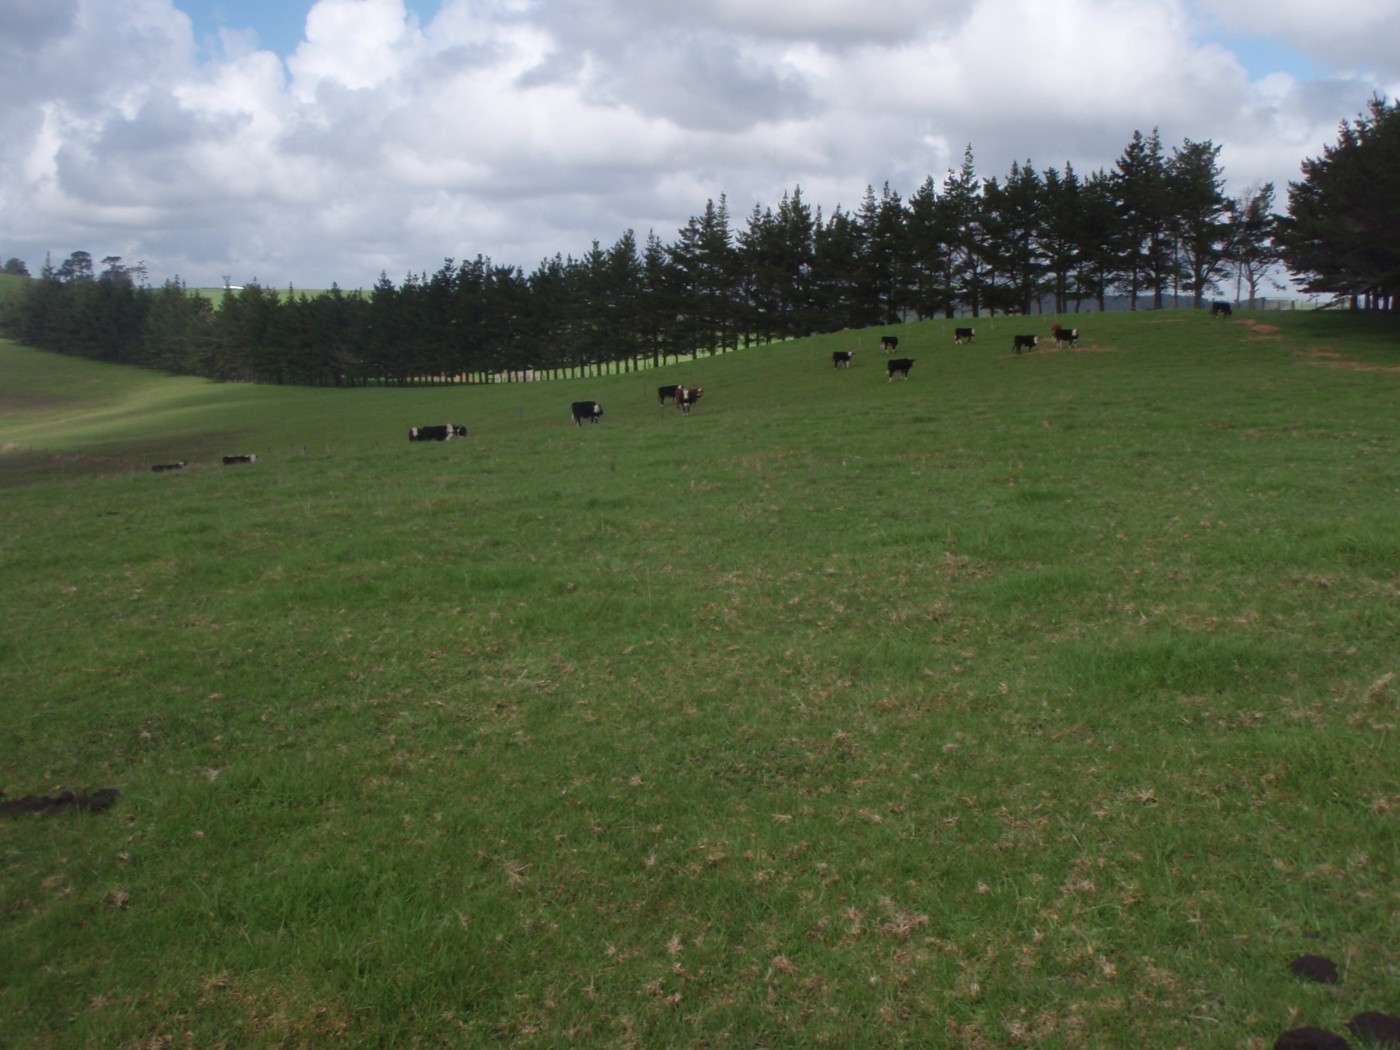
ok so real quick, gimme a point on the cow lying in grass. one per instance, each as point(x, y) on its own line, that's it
point(444, 432)
point(963, 335)
point(247, 457)
point(160, 468)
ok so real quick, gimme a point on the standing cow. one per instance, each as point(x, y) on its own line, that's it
point(889, 343)
point(899, 366)
point(1025, 342)
point(686, 396)
point(663, 392)
point(963, 335)
point(1220, 309)
point(589, 410)
point(842, 358)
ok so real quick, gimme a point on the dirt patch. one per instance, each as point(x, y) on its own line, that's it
point(99, 801)
point(1323, 357)
point(1260, 327)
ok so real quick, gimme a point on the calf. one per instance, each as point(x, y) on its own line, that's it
point(963, 335)
point(248, 457)
point(1220, 309)
point(1026, 342)
point(889, 342)
point(899, 366)
point(842, 358)
point(686, 396)
point(161, 467)
point(663, 392)
point(1065, 335)
point(589, 410)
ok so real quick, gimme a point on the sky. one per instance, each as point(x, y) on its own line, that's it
point(305, 142)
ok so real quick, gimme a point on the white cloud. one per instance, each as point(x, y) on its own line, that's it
point(520, 129)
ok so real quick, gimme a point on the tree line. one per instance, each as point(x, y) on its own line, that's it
point(1157, 225)
point(1342, 231)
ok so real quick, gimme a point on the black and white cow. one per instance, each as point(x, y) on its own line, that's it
point(663, 392)
point(1220, 308)
point(963, 335)
point(889, 342)
point(589, 410)
point(842, 358)
point(443, 432)
point(1065, 335)
point(160, 468)
point(899, 366)
point(247, 457)
point(1025, 342)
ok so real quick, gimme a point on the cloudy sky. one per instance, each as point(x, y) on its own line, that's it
point(309, 142)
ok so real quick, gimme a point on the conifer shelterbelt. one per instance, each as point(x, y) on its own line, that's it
point(1154, 229)
point(1342, 231)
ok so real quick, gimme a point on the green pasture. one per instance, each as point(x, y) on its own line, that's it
point(1043, 701)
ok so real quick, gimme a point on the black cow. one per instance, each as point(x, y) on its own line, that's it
point(663, 392)
point(899, 366)
point(161, 467)
point(842, 358)
point(963, 335)
point(1065, 335)
point(434, 433)
point(1220, 309)
point(889, 342)
point(589, 410)
point(247, 457)
point(1026, 342)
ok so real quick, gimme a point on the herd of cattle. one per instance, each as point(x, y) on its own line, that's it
point(685, 397)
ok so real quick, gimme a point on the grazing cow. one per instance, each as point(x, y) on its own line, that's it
point(248, 457)
point(663, 392)
point(963, 335)
point(435, 433)
point(161, 467)
point(899, 366)
point(889, 342)
point(1027, 342)
point(1065, 335)
point(589, 410)
point(1220, 309)
point(842, 358)
point(686, 396)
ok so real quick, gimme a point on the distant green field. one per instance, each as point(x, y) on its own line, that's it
point(1045, 700)
point(216, 295)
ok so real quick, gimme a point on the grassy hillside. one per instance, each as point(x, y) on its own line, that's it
point(1044, 699)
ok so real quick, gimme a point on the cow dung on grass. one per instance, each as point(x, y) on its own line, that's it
point(97, 802)
point(1310, 1039)
point(1378, 1028)
point(1315, 968)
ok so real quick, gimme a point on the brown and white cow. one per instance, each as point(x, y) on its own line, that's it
point(686, 396)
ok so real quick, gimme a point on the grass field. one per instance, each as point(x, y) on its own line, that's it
point(1044, 700)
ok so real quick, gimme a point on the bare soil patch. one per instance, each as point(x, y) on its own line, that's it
point(1260, 327)
point(1322, 357)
